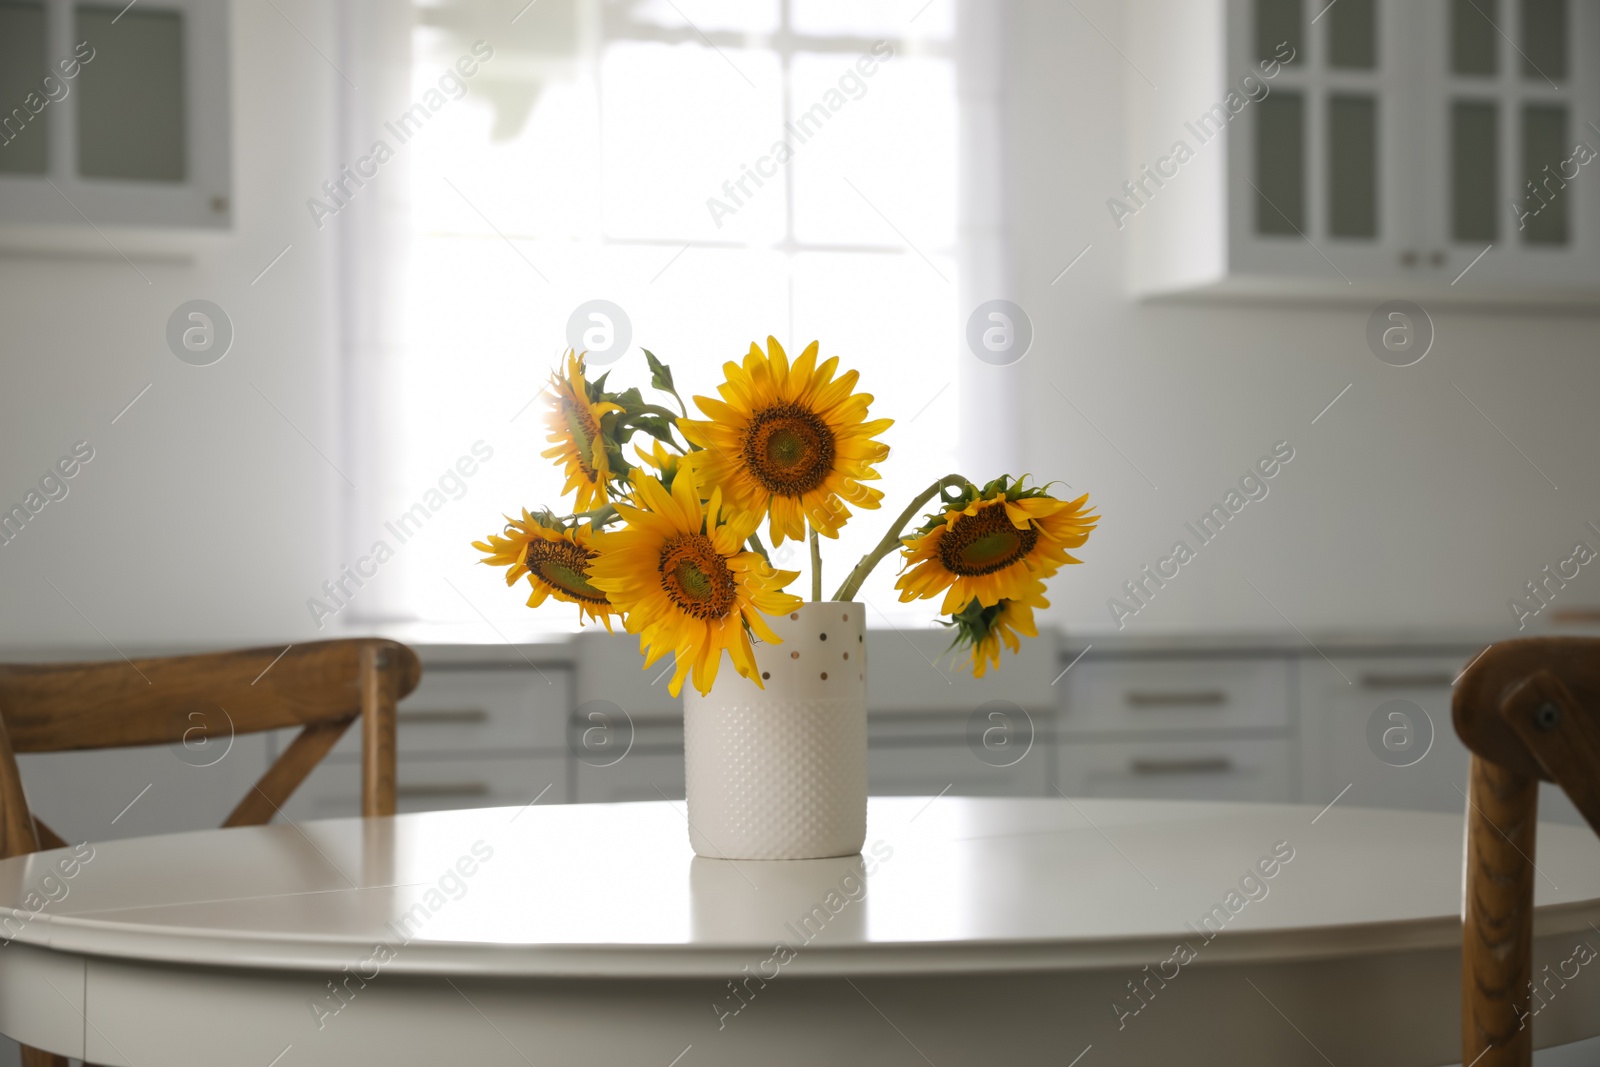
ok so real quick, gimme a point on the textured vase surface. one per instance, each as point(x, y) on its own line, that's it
point(781, 772)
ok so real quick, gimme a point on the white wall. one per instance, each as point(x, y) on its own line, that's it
point(203, 517)
point(1403, 506)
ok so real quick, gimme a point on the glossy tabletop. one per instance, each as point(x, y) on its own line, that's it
point(947, 886)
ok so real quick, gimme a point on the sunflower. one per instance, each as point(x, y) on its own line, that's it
point(666, 463)
point(555, 560)
point(982, 629)
point(679, 573)
point(574, 423)
point(788, 441)
point(995, 547)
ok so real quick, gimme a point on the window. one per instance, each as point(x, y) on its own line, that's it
point(629, 152)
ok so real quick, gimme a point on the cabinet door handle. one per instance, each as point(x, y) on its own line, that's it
point(442, 789)
point(424, 716)
point(1194, 765)
point(1420, 680)
point(1154, 699)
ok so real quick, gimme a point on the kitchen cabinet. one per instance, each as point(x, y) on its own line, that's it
point(1377, 729)
point(468, 737)
point(1430, 149)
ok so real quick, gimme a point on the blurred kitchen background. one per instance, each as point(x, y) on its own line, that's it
point(1373, 266)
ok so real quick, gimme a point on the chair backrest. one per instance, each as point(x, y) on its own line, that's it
point(1529, 710)
point(322, 687)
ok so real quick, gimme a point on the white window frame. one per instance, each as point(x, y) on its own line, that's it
point(785, 44)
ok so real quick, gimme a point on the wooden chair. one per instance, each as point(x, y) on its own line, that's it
point(1529, 710)
point(322, 687)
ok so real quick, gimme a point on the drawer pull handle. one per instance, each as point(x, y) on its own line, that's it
point(434, 716)
point(1201, 765)
point(442, 789)
point(1407, 681)
point(1201, 697)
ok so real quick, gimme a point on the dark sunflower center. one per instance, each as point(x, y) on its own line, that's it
point(984, 543)
point(696, 577)
point(789, 449)
point(561, 564)
point(583, 428)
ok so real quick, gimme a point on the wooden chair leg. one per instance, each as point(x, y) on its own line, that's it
point(378, 756)
point(32, 1057)
point(1497, 950)
point(18, 835)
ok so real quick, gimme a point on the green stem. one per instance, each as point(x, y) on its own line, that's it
point(757, 546)
point(816, 566)
point(600, 516)
point(891, 540)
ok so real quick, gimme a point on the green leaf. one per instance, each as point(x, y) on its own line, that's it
point(620, 467)
point(661, 377)
point(632, 401)
point(660, 373)
point(656, 427)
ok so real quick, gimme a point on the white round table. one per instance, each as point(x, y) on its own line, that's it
point(971, 931)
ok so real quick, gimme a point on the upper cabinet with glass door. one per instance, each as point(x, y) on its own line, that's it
point(115, 114)
point(1378, 147)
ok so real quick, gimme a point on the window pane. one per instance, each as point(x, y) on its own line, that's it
point(1474, 177)
point(131, 98)
point(1280, 164)
point(508, 178)
point(750, 16)
point(1278, 22)
point(1474, 41)
point(1544, 137)
point(877, 18)
point(1353, 166)
point(874, 156)
point(1353, 34)
point(24, 135)
point(1544, 39)
point(685, 138)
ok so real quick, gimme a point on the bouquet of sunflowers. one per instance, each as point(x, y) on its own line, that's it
point(672, 543)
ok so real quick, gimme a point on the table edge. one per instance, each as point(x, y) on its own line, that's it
point(195, 948)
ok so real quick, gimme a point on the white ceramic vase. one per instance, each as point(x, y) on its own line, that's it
point(781, 772)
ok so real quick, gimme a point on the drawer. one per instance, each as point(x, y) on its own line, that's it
point(1008, 723)
point(910, 769)
point(334, 788)
point(600, 733)
point(1148, 696)
point(643, 774)
point(1338, 708)
point(1177, 770)
point(487, 711)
